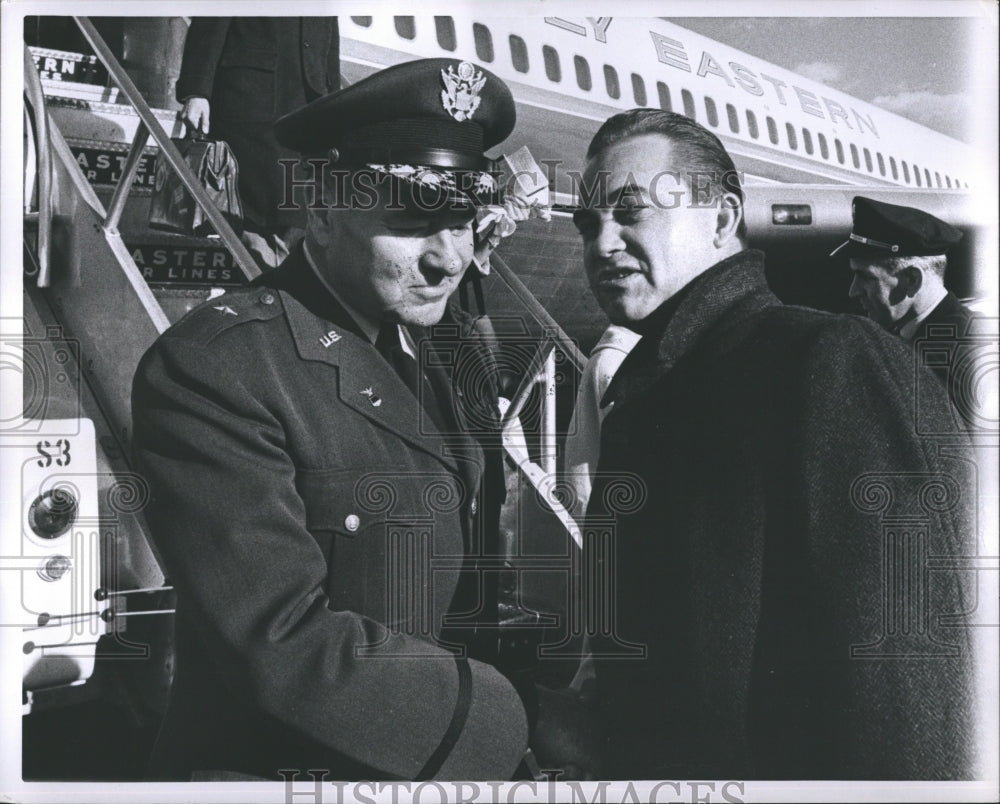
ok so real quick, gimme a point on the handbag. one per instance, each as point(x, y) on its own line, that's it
point(173, 208)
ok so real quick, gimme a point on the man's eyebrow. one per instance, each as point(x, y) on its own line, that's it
point(628, 189)
point(613, 198)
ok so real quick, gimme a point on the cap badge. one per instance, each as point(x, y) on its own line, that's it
point(460, 96)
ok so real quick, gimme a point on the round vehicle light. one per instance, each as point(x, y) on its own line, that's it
point(52, 513)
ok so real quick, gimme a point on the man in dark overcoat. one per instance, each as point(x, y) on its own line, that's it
point(764, 512)
point(240, 74)
point(317, 466)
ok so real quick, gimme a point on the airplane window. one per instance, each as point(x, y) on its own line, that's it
point(364, 22)
point(824, 149)
point(582, 73)
point(752, 124)
point(840, 150)
point(406, 27)
point(611, 81)
point(518, 53)
point(484, 42)
point(734, 121)
point(793, 141)
point(937, 178)
point(855, 158)
point(444, 27)
point(927, 173)
point(551, 59)
point(807, 141)
point(881, 163)
point(713, 113)
point(906, 172)
point(664, 92)
point(892, 167)
point(947, 178)
point(868, 160)
point(772, 130)
point(916, 175)
point(638, 90)
point(688, 100)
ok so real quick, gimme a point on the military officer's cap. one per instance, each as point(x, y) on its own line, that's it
point(428, 121)
point(887, 230)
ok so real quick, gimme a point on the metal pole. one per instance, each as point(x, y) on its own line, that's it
point(120, 196)
point(539, 313)
point(36, 98)
point(548, 434)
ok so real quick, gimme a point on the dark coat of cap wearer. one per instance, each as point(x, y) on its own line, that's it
point(427, 121)
point(887, 230)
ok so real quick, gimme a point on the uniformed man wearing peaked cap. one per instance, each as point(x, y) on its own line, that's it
point(898, 256)
point(319, 485)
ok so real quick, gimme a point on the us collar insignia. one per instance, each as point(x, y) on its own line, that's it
point(460, 96)
point(330, 338)
point(225, 309)
point(372, 397)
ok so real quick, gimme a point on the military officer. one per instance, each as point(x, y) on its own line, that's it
point(318, 493)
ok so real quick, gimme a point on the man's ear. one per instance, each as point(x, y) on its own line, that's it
point(727, 222)
point(912, 279)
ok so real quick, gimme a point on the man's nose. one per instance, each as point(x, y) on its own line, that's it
point(443, 252)
point(608, 239)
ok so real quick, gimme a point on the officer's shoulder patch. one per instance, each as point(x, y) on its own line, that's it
point(228, 310)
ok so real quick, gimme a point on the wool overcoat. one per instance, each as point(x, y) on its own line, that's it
point(253, 70)
point(319, 528)
point(782, 549)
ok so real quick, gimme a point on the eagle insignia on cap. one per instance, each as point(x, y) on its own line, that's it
point(460, 96)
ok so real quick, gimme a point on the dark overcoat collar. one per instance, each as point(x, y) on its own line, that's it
point(712, 305)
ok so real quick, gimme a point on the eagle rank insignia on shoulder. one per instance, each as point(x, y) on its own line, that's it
point(460, 96)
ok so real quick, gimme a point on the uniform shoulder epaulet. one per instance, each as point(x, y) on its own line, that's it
point(231, 309)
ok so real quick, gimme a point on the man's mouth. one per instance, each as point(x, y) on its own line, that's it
point(614, 276)
point(432, 292)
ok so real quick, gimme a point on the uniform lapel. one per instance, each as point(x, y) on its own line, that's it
point(460, 445)
point(366, 383)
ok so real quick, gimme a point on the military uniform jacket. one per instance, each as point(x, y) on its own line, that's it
point(253, 70)
point(772, 513)
point(314, 524)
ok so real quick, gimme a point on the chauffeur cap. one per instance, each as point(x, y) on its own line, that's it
point(886, 230)
point(427, 121)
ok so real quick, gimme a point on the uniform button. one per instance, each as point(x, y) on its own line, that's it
point(474, 506)
point(267, 298)
point(352, 522)
point(306, 44)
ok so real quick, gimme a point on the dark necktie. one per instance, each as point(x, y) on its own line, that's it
point(390, 347)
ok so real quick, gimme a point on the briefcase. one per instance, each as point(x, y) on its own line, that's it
point(174, 209)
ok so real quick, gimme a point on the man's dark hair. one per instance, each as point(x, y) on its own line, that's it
point(699, 151)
